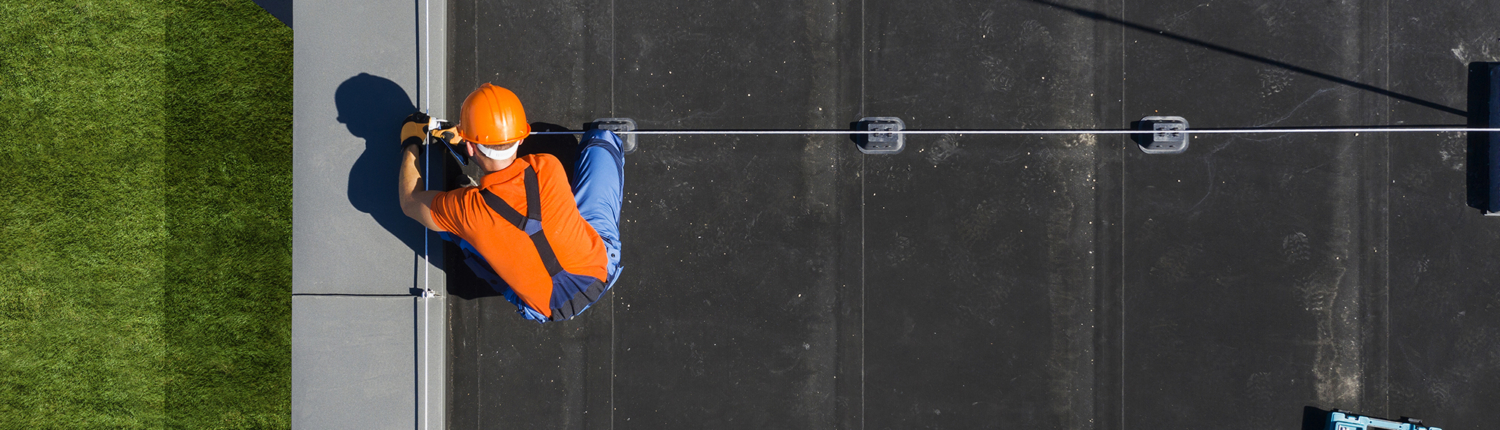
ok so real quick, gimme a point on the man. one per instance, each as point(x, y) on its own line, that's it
point(551, 249)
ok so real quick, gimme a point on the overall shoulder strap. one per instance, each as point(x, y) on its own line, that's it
point(534, 223)
point(533, 204)
point(531, 223)
point(500, 207)
point(533, 195)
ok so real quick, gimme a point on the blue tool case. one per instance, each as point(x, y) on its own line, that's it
point(1339, 420)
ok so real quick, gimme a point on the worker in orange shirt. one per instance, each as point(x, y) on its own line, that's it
point(550, 247)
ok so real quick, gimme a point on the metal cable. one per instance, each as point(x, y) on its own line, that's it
point(1050, 132)
point(426, 234)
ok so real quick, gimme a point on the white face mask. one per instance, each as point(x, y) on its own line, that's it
point(499, 154)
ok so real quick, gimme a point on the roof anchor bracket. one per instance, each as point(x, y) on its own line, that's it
point(1170, 137)
point(616, 125)
point(879, 143)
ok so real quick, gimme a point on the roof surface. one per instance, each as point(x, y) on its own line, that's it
point(987, 281)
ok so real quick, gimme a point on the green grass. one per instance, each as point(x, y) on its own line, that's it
point(145, 215)
point(229, 217)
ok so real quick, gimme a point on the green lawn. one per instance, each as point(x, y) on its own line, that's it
point(145, 215)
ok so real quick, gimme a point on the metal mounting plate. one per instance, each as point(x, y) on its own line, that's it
point(1170, 137)
point(617, 125)
point(879, 143)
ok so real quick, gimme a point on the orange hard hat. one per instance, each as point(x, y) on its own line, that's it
point(492, 116)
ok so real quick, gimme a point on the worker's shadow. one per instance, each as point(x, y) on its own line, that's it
point(562, 146)
point(372, 108)
point(1477, 164)
point(1314, 418)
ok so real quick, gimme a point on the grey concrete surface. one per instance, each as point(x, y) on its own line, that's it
point(369, 351)
point(352, 362)
point(364, 362)
point(357, 74)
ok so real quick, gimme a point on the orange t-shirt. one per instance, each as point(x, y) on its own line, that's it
point(508, 249)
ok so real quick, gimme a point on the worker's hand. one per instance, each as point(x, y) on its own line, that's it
point(449, 134)
point(414, 130)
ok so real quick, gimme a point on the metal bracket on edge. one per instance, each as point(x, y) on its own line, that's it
point(879, 143)
point(617, 125)
point(1170, 137)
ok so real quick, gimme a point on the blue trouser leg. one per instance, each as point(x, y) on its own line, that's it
point(600, 190)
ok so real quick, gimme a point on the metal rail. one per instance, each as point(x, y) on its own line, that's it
point(1048, 132)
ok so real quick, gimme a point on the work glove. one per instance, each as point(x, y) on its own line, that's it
point(414, 130)
point(447, 132)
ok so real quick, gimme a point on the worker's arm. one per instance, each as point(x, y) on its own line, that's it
point(415, 202)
